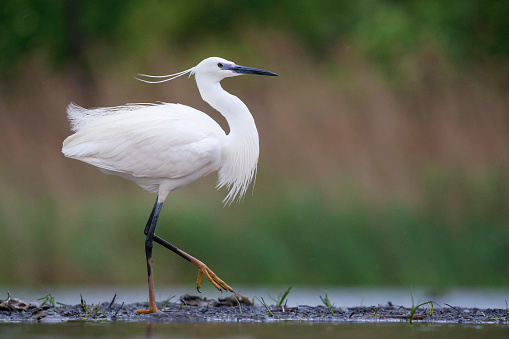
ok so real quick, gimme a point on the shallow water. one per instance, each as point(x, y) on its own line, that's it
point(341, 297)
point(280, 329)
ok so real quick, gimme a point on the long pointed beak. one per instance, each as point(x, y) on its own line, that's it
point(250, 70)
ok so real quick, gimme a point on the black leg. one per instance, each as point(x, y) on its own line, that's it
point(203, 269)
point(149, 221)
point(172, 248)
point(160, 240)
point(150, 234)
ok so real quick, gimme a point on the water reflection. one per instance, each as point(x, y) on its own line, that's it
point(150, 330)
point(282, 329)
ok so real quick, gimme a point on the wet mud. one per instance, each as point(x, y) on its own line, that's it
point(192, 309)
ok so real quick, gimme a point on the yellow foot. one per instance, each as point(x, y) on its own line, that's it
point(150, 310)
point(213, 278)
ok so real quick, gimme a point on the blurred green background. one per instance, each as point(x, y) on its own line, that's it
point(384, 142)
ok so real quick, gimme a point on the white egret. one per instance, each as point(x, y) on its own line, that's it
point(163, 146)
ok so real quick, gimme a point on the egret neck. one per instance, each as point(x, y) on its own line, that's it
point(240, 151)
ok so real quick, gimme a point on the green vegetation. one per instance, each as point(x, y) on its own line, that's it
point(47, 299)
point(83, 303)
point(414, 307)
point(166, 301)
point(327, 303)
point(376, 311)
point(182, 303)
point(95, 312)
point(68, 32)
point(92, 312)
point(269, 311)
point(305, 241)
point(280, 303)
point(281, 298)
point(238, 303)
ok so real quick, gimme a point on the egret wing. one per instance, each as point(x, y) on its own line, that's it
point(156, 141)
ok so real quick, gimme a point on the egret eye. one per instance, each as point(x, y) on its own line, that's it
point(220, 65)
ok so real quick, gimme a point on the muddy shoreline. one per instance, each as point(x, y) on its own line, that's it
point(192, 309)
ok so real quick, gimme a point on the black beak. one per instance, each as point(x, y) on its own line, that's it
point(250, 70)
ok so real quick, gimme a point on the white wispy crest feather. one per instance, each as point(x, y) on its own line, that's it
point(169, 76)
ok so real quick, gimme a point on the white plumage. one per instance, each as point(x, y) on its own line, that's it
point(162, 147)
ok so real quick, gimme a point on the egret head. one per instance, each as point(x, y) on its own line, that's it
point(213, 69)
point(218, 68)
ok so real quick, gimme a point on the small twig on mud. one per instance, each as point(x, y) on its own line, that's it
point(454, 308)
point(112, 301)
point(115, 315)
point(62, 304)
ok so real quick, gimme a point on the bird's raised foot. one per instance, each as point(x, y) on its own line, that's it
point(213, 278)
point(149, 311)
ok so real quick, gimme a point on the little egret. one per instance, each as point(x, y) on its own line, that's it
point(163, 146)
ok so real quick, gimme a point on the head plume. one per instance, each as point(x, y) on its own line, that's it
point(164, 77)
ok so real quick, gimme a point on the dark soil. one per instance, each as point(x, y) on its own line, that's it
point(197, 309)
